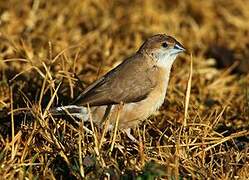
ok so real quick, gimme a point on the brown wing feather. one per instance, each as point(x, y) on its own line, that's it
point(129, 82)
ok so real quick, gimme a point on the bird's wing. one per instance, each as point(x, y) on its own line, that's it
point(131, 81)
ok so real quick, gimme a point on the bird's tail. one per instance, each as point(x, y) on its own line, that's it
point(71, 110)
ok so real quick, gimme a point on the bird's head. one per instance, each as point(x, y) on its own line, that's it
point(162, 49)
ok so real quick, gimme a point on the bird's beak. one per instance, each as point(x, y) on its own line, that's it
point(179, 48)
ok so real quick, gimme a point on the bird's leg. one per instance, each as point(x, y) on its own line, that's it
point(130, 136)
point(107, 113)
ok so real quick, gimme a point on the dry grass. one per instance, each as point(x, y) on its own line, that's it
point(46, 46)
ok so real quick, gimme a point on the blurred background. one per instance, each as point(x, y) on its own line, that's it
point(43, 43)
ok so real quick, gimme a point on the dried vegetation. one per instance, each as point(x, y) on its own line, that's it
point(46, 47)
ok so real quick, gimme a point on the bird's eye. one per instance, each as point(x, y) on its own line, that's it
point(165, 45)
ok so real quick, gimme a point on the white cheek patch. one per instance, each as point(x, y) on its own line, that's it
point(164, 59)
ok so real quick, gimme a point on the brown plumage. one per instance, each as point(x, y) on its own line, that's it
point(131, 81)
point(122, 84)
point(139, 82)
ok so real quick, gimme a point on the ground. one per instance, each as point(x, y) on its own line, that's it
point(51, 50)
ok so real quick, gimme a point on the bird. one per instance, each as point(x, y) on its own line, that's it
point(138, 85)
